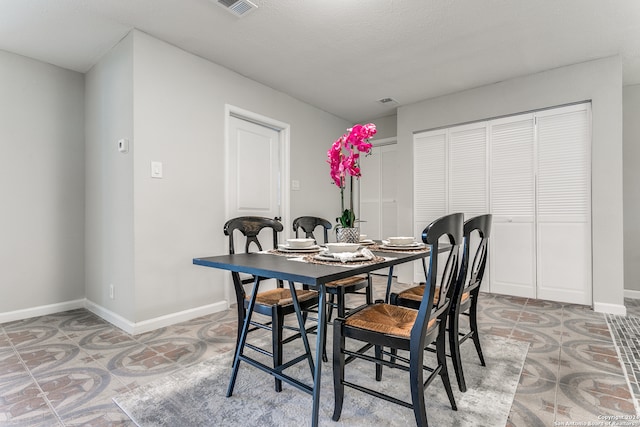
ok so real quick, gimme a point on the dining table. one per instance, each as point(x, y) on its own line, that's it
point(305, 271)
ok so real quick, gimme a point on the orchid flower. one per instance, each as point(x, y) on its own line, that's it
point(343, 160)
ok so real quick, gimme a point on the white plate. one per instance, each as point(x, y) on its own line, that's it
point(286, 248)
point(367, 242)
point(414, 245)
point(323, 257)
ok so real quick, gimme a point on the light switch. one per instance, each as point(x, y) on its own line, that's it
point(156, 169)
point(295, 185)
point(123, 145)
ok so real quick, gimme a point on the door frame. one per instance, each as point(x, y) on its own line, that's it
point(284, 148)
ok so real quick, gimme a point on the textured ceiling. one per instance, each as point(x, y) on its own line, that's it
point(343, 55)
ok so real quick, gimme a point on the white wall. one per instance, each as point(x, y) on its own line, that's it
point(179, 102)
point(386, 126)
point(599, 81)
point(109, 188)
point(42, 186)
point(631, 115)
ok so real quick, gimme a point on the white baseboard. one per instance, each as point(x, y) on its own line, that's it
point(111, 317)
point(629, 293)
point(43, 310)
point(115, 319)
point(618, 309)
point(135, 328)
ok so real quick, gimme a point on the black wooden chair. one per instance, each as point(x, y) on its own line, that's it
point(275, 303)
point(469, 281)
point(336, 290)
point(465, 297)
point(384, 325)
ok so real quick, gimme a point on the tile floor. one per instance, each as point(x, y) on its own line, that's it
point(63, 369)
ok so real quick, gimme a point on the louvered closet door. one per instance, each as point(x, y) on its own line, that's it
point(564, 200)
point(512, 199)
point(468, 189)
point(370, 184)
point(430, 173)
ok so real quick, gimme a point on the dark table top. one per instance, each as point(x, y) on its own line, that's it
point(279, 267)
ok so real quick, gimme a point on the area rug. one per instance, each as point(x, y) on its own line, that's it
point(195, 396)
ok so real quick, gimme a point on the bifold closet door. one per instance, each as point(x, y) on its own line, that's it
point(450, 170)
point(512, 188)
point(378, 193)
point(430, 176)
point(564, 205)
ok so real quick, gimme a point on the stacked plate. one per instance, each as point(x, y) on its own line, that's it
point(299, 246)
point(402, 243)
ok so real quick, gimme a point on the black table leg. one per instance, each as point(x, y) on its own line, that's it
point(320, 339)
point(243, 337)
point(303, 332)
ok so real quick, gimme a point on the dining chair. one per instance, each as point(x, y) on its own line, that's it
point(275, 303)
point(476, 241)
point(336, 290)
point(384, 325)
point(464, 301)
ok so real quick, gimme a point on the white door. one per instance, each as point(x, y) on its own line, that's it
point(253, 177)
point(254, 170)
point(512, 185)
point(378, 192)
point(430, 184)
point(564, 200)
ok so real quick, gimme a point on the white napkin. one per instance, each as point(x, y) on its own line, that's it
point(348, 256)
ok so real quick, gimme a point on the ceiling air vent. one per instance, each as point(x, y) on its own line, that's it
point(237, 7)
point(388, 101)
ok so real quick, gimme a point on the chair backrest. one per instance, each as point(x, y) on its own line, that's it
point(309, 223)
point(469, 279)
point(250, 227)
point(450, 226)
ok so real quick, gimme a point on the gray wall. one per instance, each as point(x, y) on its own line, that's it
point(109, 188)
point(41, 183)
point(177, 117)
point(387, 127)
point(631, 129)
point(599, 81)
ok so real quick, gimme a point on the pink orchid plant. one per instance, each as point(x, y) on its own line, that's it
point(343, 159)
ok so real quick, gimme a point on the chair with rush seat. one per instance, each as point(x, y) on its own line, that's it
point(465, 297)
point(384, 325)
point(275, 303)
point(336, 290)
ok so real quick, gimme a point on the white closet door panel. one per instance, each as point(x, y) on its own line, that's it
point(512, 166)
point(389, 226)
point(512, 202)
point(564, 249)
point(564, 205)
point(468, 169)
point(389, 191)
point(371, 218)
point(430, 176)
point(563, 163)
point(369, 185)
point(511, 259)
point(429, 185)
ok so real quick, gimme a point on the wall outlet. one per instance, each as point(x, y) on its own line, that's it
point(111, 291)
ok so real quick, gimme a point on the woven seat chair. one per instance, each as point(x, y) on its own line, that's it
point(465, 299)
point(336, 290)
point(275, 303)
point(384, 326)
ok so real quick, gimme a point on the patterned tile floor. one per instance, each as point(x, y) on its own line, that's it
point(63, 369)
